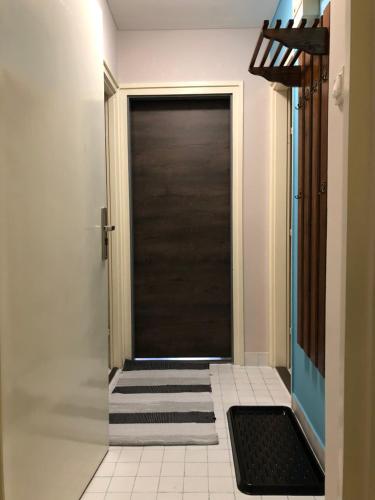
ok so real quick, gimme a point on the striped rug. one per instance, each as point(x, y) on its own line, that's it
point(161, 403)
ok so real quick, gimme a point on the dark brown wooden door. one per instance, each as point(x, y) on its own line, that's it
point(181, 226)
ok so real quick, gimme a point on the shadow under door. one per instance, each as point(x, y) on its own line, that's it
point(181, 226)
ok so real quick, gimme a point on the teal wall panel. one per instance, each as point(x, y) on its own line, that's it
point(284, 11)
point(308, 385)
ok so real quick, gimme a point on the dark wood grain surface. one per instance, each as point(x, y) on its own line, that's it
point(315, 230)
point(321, 358)
point(312, 213)
point(181, 225)
point(307, 215)
point(300, 195)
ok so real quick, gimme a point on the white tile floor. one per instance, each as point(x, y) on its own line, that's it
point(191, 472)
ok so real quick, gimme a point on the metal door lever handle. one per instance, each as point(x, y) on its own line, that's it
point(106, 228)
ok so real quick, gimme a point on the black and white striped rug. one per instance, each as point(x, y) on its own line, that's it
point(161, 403)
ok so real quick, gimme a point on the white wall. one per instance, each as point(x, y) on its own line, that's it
point(219, 55)
point(350, 372)
point(336, 249)
point(109, 37)
point(359, 372)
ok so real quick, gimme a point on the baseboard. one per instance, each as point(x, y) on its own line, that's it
point(256, 359)
point(312, 438)
point(285, 376)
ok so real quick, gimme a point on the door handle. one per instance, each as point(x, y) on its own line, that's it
point(106, 228)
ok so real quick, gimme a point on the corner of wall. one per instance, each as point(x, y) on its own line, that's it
point(314, 440)
point(256, 359)
point(109, 38)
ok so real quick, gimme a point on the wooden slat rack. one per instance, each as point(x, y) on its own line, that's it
point(280, 65)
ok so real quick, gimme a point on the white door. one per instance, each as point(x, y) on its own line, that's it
point(53, 283)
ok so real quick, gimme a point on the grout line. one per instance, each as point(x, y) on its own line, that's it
point(161, 467)
point(224, 379)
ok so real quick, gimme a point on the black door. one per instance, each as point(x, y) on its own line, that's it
point(181, 225)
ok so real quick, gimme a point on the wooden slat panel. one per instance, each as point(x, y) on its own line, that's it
point(323, 207)
point(311, 40)
point(258, 45)
point(269, 46)
point(306, 266)
point(315, 216)
point(301, 172)
point(312, 213)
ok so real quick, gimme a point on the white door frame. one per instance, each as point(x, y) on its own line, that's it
point(116, 293)
point(279, 237)
point(110, 84)
point(120, 213)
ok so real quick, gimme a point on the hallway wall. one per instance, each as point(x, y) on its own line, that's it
point(359, 342)
point(220, 55)
point(308, 385)
point(336, 250)
point(350, 259)
point(109, 37)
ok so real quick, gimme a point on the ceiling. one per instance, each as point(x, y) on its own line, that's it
point(190, 14)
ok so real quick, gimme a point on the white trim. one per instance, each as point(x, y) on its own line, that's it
point(115, 200)
point(183, 87)
point(279, 87)
point(119, 246)
point(114, 380)
point(110, 84)
point(279, 229)
point(311, 437)
point(256, 358)
point(121, 194)
point(116, 319)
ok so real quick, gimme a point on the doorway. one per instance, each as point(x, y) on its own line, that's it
point(110, 90)
point(281, 233)
point(122, 275)
point(105, 244)
point(180, 170)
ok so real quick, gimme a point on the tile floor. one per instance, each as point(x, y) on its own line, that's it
point(191, 472)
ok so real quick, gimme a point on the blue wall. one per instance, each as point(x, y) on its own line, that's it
point(323, 5)
point(308, 386)
point(284, 11)
point(307, 383)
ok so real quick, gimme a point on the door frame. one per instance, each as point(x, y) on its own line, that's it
point(279, 227)
point(120, 202)
point(115, 293)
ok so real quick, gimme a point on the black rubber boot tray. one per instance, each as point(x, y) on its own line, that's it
point(271, 454)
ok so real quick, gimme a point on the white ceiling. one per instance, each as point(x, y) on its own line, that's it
point(190, 14)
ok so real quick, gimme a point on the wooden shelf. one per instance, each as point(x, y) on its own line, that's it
point(280, 65)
